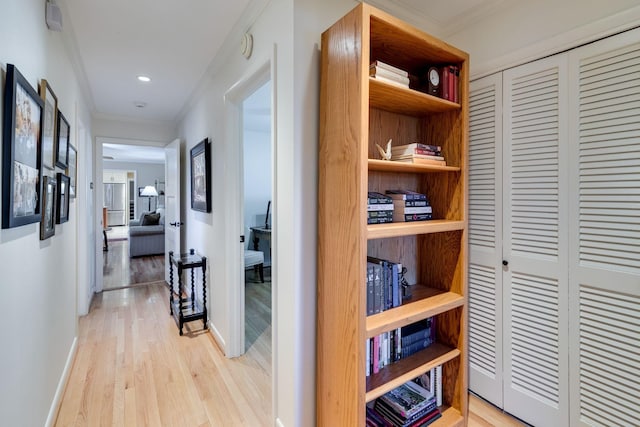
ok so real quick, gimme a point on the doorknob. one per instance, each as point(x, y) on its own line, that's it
point(505, 262)
point(176, 224)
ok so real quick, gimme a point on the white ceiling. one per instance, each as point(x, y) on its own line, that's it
point(132, 153)
point(175, 41)
point(171, 41)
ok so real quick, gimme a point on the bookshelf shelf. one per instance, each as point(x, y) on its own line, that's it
point(401, 100)
point(390, 166)
point(399, 229)
point(398, 373)
point(428, 302)
point(356, 113)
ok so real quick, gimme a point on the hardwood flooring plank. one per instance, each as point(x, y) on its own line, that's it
point(132, 368)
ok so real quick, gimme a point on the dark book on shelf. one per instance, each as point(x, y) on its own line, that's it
point(406, 195)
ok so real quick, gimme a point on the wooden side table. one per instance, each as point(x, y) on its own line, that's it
point(185, 309)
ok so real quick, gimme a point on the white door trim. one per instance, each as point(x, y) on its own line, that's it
point(233, 99)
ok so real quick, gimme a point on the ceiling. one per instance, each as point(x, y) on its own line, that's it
point(171, 41)
point(174, 42)
point(132, 153)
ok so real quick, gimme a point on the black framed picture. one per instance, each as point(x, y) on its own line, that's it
point(48, 223)
point(21, 153)
point(62, 142)
point(49, 124)
point(72, 170)
point(62, 205)
point(201, 176)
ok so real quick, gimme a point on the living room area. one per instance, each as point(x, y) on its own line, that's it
point(133, 215)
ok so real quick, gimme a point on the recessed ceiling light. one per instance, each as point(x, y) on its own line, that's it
point(144, 79)
point(140, 104)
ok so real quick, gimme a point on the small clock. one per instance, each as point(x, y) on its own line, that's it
point(433, 81)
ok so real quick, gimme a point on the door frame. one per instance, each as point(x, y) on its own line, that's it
point(233, 99)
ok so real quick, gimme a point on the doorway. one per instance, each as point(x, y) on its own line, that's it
point(129, 170)
point(257, 191)
point(238, 234)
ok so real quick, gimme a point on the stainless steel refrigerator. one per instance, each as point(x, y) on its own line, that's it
point(115, 200)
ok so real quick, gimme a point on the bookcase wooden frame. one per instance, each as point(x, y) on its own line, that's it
point(357, 112)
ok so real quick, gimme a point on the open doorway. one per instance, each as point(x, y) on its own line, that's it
point(258, 194)
point(133, 238)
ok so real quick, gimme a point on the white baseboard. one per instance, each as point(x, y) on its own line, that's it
point(62, 384)
point(217, 336)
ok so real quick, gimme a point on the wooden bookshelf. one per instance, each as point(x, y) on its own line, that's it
point(356, 113)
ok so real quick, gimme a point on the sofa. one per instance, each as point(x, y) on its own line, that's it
point(146, 234)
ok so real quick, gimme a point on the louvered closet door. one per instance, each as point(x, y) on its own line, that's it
point(485, 238)
point(605, 232)
point(535, 242)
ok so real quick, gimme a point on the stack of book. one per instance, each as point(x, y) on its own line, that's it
point(396, 344)
point(410, 206)
point(417, 336)
point(384, 285)
point(379, 208)
point(389, 74)
point(450, 83)
point(418, 153)
point(407, 405)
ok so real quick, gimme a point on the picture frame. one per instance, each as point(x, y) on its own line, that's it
point(49, 124)
point(21, 152)
point(62, 142)
point(201, 176)
point(72, 170)
point(48, 223)
point(62, 198)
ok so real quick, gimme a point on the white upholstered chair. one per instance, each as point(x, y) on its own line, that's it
point(254, 259)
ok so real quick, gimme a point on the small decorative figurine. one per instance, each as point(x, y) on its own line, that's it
point(385, 155)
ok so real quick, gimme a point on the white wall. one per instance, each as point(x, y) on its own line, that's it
point(296, 84)
point(525, 31)
point(38, 278)
point(145, 174)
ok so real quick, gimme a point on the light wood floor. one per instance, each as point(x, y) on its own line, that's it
point(119, 270)
point(132, 368)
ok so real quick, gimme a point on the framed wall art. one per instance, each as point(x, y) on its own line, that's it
point(72, 170)
point(21, 152)
point(49, 124)
point(62, 199)
point(62, 142)
point(48, 223)
point(201, 176)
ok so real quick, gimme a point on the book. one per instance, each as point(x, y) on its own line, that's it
point(390, 81)
point(410, 203)
point(412, 151)
point(388, 67)
point(411, 217)
point(418, 326)
point(407, 210)
point(446, 77)
point(405, 195)
point(416, 336)
point(408, 350)
point(380, 207)
point(415, 156)
point(438, 385)
point(415, 145)
point(382, 72)
point(407, 400)
point(374, 419)
point(419, 161)
point(415, 420)
point(380, 220)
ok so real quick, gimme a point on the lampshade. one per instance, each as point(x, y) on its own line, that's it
point(149, 190)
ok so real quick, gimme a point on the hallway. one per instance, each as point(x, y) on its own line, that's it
point(132, 368)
